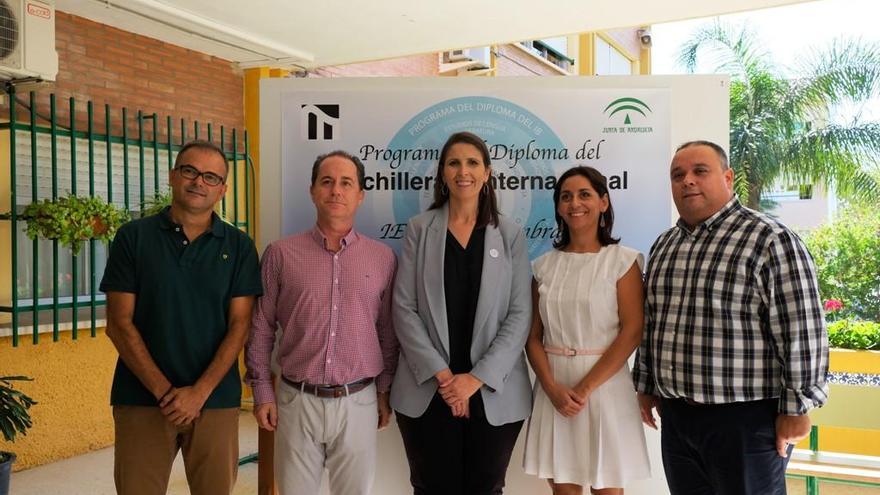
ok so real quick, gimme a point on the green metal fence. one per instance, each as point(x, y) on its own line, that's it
point(58, 158)
point(812, 482)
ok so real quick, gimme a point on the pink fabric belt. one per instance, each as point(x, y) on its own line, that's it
point(569, 351)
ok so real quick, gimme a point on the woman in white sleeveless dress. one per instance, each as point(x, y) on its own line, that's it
point(585, 429)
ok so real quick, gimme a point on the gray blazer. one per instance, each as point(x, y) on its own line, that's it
point(501, 324)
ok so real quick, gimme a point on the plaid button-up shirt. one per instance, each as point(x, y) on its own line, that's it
point(733, 314)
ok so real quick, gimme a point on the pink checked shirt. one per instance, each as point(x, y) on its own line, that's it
point(334, 310)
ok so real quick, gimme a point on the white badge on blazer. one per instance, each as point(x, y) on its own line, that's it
point(493, 253)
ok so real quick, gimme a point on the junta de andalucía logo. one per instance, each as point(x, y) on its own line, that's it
point(627, 105)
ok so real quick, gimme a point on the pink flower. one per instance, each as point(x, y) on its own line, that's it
point(832, 305)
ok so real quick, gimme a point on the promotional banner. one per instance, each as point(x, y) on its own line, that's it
point(533, 136)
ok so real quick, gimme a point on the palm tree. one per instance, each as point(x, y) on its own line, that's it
point(781, 127)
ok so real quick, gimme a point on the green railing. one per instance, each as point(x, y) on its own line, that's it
point(811, 482)
point(39, 170)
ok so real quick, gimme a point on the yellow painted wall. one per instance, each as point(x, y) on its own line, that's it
point(72, 386)
point(586, 61)
point(854, 361)
point(252, 79)
point(5, 226)
point(851, 440)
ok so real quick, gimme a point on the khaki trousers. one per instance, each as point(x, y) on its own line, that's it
point(146, 445)
point(337, 433)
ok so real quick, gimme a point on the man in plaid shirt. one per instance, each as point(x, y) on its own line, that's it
point(735, 350)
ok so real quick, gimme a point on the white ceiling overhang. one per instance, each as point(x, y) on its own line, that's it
point(332, 32)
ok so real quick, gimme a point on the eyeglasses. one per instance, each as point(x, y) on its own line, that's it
point(192, 173)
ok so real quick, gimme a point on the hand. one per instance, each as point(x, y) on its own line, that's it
point(266, 415)
point(790, 430)
point(460, 388)
point(459, 409)
point(568, 402)
point(182, 405)
point(384, 404)
point(583, 392)
point(443, 377)
point(647, 404)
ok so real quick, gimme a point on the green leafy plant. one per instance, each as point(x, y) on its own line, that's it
point(15, 407)
point(854, 334)
point(847, 256)
point(780, 121)
point(73, 219)
point(156, 204)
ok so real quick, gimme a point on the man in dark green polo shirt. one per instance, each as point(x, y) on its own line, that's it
point(180, 288)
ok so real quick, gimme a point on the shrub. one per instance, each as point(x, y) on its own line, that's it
point(14, 404)
point(847, 256)
point(853, 334)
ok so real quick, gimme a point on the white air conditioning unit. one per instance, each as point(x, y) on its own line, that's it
point(27, 40)
point(480, 55)
point(456, 55)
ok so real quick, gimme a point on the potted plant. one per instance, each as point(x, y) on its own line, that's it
point(73, 219)
point(15, 418)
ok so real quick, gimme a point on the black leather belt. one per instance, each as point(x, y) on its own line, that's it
point(330, 391)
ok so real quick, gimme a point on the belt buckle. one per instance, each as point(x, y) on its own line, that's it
point(338, 392)
point(570, 351)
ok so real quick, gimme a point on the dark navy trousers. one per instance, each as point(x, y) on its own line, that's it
point(721, 449)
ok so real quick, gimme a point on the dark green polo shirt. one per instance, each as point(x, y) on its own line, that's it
point(183, 290)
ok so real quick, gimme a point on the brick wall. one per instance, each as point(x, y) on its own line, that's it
point(106, 65)
point(424, 65)
point(513, 61)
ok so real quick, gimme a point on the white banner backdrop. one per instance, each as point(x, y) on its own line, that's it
point(533, 136)
point(627, 127)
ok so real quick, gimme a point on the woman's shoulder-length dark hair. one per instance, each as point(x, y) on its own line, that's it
point(487, 209)
point(600, 184)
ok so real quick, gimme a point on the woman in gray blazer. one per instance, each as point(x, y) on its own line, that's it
point(461, 313)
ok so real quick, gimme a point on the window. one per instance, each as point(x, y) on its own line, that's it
point(553, 50)
point(610, 61)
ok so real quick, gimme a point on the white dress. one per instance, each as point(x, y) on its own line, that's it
point(604, 445)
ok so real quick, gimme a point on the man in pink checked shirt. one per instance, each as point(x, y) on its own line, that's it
point(329, 290)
